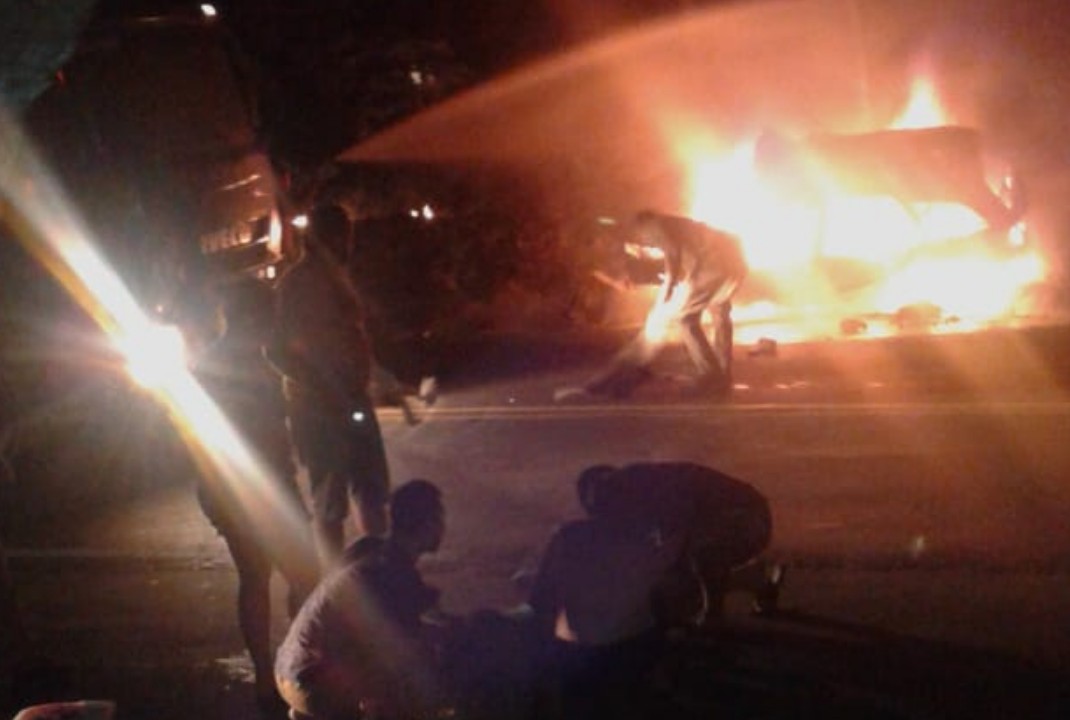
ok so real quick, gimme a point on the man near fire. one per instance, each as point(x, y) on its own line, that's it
point(703, 268)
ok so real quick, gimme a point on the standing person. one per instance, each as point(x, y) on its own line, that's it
point(251, 511)
point(323, 351)
point(362, 645)
point(703, 268)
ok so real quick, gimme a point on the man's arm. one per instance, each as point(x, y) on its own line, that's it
point(672, 269)
point(544, 596)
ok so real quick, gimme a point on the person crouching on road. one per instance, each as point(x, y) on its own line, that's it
point(362, 646)
point(595, 601)
point(703, 268)
point(727, 523)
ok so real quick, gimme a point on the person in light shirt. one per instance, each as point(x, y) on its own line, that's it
point(595, 604)
point(703, 268)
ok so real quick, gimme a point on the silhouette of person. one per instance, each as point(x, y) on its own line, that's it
point(703, 268)
point(322, 350)
point(595, 603)
point(260, 512)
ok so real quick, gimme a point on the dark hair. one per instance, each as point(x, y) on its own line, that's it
point(592, 488)
point(414, 504)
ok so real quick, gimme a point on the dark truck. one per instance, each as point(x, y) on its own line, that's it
point(152, 127)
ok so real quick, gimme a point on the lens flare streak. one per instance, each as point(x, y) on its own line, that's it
point(35, 208)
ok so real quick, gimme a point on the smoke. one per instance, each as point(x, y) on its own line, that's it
point(599, 121)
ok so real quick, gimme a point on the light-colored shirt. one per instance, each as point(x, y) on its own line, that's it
point(597, 579)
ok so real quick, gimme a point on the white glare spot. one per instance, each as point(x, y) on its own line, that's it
point(917, 546)
point(1017, 235)
point(209, 10)
point(300, 221)
point(417, 77)
point(358, 416)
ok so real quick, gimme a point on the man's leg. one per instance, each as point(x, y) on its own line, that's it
point(723, 339)
point(368, 474)
point(254, 613)
point(294, 553)
point(707, 364)
point(330, 506)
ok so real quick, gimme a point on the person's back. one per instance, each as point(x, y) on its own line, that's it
point(595, 599)
point(323, 347)
point(235, 372)
point(728, 521)
point(595, 581)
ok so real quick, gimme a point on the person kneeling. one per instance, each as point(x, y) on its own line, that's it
point(361, 646)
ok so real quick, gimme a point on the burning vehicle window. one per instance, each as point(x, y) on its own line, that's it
point(675, 359)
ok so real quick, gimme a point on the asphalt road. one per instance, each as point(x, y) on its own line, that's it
point(918, 485)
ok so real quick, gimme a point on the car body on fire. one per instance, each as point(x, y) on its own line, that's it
point(926, 165)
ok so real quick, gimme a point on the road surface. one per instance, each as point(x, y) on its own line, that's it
point(917, 487)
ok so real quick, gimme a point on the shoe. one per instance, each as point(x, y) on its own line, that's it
point(767, 598)
point(564, 394)
point(428, 391)
point(411, 416)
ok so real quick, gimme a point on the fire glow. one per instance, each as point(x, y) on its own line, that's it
point(914, 253)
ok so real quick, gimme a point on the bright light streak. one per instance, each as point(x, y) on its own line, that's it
point(275, 233)
point(40, 216)
point(155, 355)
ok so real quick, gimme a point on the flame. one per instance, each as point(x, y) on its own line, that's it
point(659, 320)
point(920, 253)
point(924, 108)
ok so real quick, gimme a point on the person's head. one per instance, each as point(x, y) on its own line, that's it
point(418, 516)
point(329, 229)
point(646, 228)
point(592, 487)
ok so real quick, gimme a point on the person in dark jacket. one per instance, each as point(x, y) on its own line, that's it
point(322, 349)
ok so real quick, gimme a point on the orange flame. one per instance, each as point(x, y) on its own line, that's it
point(907, 246)
point(924, 108)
